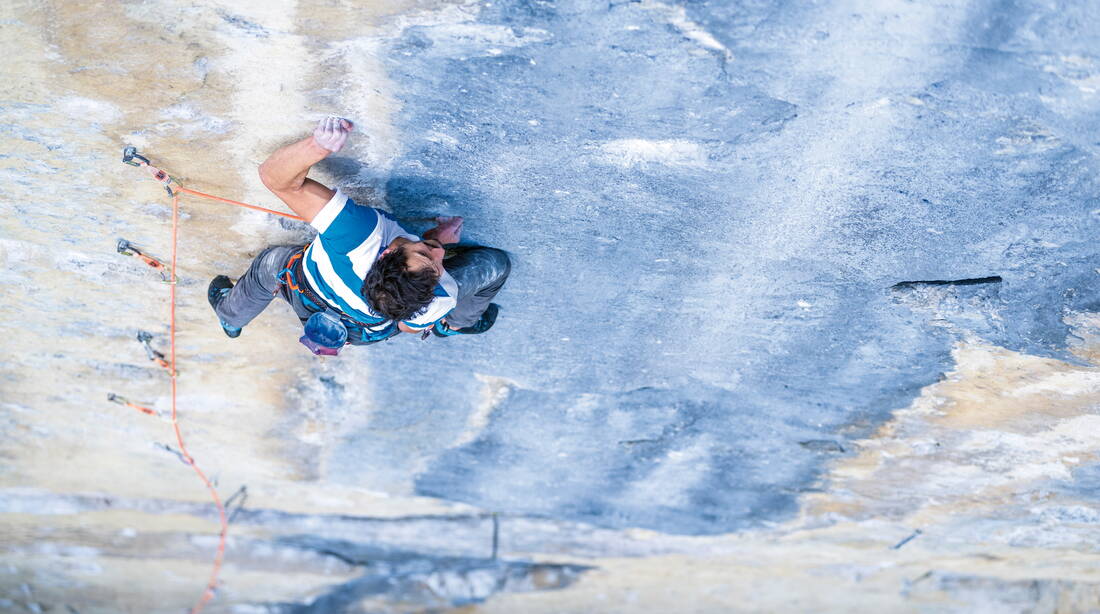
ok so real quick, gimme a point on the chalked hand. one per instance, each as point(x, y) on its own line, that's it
point(332, 132)
point(448, 230)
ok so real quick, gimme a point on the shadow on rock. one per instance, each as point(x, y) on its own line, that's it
point(405, 581)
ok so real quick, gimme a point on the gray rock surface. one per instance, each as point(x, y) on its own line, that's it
point(802, 314)
point(711, 208)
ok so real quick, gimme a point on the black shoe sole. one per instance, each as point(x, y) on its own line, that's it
point(213, 296)
point(213, 291)
point(487, 319)
point(484, 323)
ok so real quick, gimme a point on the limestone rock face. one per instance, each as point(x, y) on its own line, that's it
point(802, 317)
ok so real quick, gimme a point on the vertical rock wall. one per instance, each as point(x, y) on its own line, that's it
point(801, 318)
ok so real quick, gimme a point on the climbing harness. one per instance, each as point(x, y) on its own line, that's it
point(290, 276)
point(325, 332)
point(174, 188)
point(328, 329)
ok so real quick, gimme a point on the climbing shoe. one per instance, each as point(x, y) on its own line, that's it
point(215, 293)
point(483, 324)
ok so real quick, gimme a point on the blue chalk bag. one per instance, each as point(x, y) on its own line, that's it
point(325, 333)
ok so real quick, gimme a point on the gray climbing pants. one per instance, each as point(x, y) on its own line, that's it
point(259, 285)
point(479, 271)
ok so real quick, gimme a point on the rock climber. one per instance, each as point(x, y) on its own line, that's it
point(364, 278)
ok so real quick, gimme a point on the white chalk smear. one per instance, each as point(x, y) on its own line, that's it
point(90, 110)
point(631, 152)
point(476, 39)
point(677, 17)
point(494, 393)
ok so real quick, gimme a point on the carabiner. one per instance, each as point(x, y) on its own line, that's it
point(130, 153)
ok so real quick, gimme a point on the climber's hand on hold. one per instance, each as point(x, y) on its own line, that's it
point(284, 172)
point(448, 230)
point(332, 132)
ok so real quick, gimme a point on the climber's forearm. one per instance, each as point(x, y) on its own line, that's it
point(285, 170)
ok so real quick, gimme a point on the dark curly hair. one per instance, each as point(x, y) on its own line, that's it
point(394, 291)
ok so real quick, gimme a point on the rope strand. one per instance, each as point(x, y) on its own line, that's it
point(212, 584)
point(174, 188)
point(238, 203)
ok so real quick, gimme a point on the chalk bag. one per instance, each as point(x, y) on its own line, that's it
point(325, 333)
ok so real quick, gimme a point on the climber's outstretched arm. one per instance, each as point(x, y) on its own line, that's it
point(284, 172)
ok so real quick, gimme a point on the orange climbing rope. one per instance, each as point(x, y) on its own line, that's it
point(180, 188)
point(131, 157)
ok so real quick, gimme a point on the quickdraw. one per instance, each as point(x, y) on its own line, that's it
point(121, 400)
point(131, 156)
point(126, 248)
point(156, 356)
point(174, 188)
